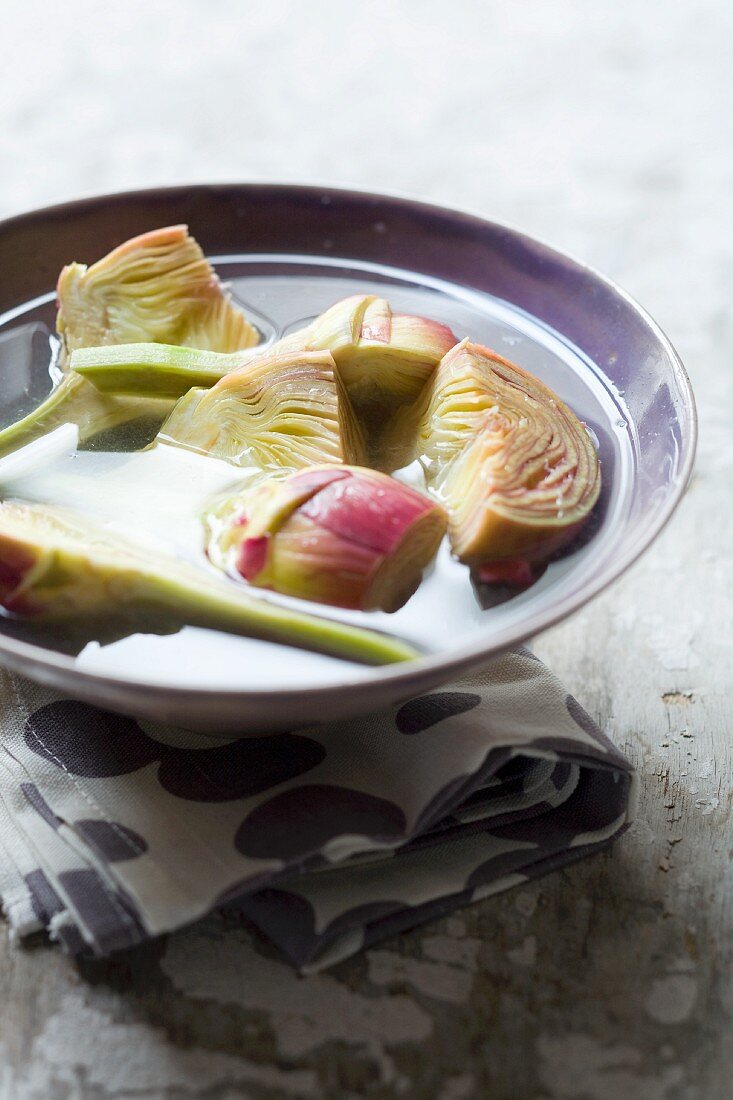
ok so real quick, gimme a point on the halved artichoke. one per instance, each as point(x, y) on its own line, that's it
point(155, 287)
point(344, 535)
point(281, 410)
point(56, 566)
point(384, 358)
point(516, 469)
point(158, 287)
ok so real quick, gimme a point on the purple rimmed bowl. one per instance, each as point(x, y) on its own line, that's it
point(288, 252)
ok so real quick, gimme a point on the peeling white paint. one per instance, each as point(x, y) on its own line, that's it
point(707, 805)
point(707, 768)
point(449, 949)
point(126, 1059)
point(436, 980)
point(580, 1067)
point(526, 902)
point(671, 643)
point(685, 881)
point(671, 999)
point(304, 1012)
point(526, 953)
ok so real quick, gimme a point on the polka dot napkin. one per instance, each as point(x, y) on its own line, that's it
point(328, 838)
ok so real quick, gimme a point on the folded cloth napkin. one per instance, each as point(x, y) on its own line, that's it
point(327, 838)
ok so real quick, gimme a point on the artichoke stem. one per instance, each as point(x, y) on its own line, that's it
point(258, 618)
point(153, 370)
point(56, 566)
point(76, 401)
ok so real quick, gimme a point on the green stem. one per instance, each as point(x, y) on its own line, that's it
point(208, 605)
point(160, 370)
point(76, 401)
point(58, 566)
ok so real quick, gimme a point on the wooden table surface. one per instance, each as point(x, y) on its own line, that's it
point(606, 129)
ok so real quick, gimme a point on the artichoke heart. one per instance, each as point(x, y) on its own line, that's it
point(279, 410)
point(56, 566)
point(158, 287)
point(346, 536)
point(384, 358)
point(516, 469)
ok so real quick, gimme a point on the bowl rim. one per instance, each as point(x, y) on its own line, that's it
point(59, 669)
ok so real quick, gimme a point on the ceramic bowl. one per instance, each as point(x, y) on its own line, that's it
point(289, 252)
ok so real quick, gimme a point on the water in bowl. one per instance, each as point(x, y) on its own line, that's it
point(157, 496)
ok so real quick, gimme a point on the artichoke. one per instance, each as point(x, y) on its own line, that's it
point(516, 469)
point(344, 535)
point(156, 287)
point(384, 358)
point(280, 410)
point(56, 566)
